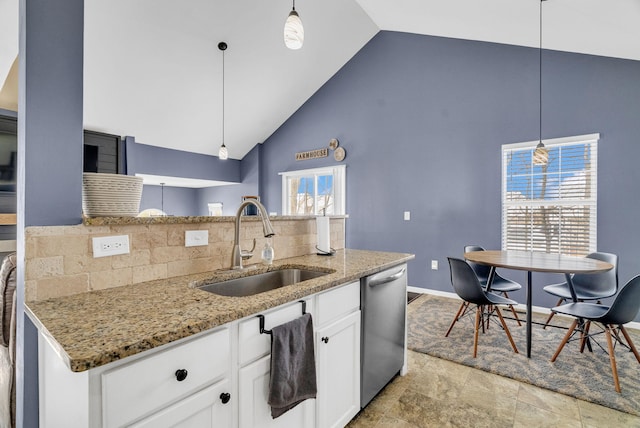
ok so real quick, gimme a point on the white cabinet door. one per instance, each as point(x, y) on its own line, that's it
point(207, 408)
point(253, 395)
point(338, 362)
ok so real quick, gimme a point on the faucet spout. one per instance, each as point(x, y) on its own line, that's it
point(237, 254)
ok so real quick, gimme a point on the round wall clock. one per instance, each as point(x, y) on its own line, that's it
point(339, 154)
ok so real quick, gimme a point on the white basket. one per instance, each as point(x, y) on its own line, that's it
point(110, 195)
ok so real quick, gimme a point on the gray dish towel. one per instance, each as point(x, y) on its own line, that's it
point(293, 365)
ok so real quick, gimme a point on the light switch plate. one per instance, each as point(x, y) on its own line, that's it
point(195, 238)
point(104, 246)
point(407, 215)
point(434, 265)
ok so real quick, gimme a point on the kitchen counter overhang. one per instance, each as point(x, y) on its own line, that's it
point(92, 329)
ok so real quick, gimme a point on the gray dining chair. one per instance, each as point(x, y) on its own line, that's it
point(588, 286)
point(611, 319)
point(499, 284)
point(468, 287)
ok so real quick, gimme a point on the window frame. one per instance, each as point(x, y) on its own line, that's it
point(339, 186)
point(591, 201)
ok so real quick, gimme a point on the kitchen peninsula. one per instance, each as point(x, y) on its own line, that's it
point(113, 355)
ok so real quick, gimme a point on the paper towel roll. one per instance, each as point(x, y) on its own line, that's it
point(324, 234)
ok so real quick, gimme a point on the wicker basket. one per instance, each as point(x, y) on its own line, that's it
point(110, 195)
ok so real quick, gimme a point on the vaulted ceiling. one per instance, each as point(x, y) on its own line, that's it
point(153, 69)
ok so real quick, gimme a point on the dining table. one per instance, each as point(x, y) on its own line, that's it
point(532, 261)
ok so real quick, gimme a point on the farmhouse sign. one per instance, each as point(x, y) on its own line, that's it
point(312, 154)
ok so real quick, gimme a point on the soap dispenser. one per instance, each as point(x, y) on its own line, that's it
point(267, 253)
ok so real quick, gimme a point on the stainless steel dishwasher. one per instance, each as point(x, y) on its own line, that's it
point(383, 298)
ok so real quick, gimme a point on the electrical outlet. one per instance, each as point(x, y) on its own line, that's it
point(434, 265)
point(195, 238)
point(407, 215)
point(110, 245)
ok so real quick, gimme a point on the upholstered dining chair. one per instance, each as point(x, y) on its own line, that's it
point(588, 286)
point(611, 319)
point(499, 285)
point(468, 287)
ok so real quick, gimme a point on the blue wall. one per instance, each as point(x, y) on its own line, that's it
point(423, 119)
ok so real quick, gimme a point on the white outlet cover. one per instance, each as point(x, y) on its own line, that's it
point(104, 246)
point(195, 238)
point(407, 215)
point(434, 264)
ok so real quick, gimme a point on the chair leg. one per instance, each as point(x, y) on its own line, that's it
point(513, 311)
point(463, 306)
point(552, 314)
point(506, 330)
point(584, 336)
point(630, 343)
point(565, 340)
point(477, 328)
point(612, 357)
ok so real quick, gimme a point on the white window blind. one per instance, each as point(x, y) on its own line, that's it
point(550, 207)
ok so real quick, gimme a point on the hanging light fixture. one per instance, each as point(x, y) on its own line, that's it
point(293, 30)
point(222, 152)
point(540, 154)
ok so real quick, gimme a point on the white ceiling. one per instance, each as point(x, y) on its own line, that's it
point(153, 70)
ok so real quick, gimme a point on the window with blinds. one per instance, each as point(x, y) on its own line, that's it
point(549, 196)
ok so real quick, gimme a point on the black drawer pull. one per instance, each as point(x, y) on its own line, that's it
point(225, 397)
point(325, 339)
point(181, 374)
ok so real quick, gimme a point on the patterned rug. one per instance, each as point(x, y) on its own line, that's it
point(584, 376)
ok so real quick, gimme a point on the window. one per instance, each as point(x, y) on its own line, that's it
point(550, 207)
point(312, 191)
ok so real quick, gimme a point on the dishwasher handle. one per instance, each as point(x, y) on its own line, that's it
point(387, 279)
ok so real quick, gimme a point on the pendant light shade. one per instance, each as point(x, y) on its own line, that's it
point(540, 155)
point(222, 152)
point(293, 30)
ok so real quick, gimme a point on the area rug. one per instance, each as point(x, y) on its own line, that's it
point(585, 376)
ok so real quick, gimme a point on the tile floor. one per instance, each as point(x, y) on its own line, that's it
point(440, 393)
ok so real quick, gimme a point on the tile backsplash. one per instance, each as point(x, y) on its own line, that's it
point(59, 259)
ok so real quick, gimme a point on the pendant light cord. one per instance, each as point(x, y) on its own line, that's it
point(540, 72)
point(223, 97)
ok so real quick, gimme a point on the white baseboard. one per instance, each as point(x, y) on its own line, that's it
point(536, 309)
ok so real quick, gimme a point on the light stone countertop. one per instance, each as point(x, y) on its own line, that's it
point(95, 328)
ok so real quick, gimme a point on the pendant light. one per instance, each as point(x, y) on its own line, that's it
point(293, 30)
point(222, 152)
point(540, 154)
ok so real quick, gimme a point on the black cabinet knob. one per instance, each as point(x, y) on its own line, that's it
point(225, 397)
point(181, 374)
point(325, 339)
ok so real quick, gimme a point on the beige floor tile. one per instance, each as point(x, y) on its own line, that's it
point(530, 416)
point(595, 416)
point(548, 400)
point(420, 410)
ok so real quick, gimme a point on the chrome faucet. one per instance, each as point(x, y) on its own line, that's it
point(238, 255)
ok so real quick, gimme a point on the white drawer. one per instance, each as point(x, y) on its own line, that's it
point(144, 385)
point(252, 344)
point(337, 302)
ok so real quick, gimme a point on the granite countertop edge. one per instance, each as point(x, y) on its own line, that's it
point(89, 330)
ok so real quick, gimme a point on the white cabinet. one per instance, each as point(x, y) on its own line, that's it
point(181, 382)
point(207, 408)
point(132, 390)
point(255, 364)
point(338, 356)
point(338, 350)
point(253, 393)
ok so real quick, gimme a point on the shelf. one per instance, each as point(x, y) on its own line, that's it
point(8, 219)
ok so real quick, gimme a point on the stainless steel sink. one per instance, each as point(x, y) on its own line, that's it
point(259, 283)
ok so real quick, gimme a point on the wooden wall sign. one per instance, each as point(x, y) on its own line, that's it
point(312, 154)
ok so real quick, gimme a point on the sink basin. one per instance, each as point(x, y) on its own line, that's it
point(259, 283)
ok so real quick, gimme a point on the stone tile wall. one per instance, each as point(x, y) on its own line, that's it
point(59, 259)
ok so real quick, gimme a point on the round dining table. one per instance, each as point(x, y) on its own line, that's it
point(536, 262)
